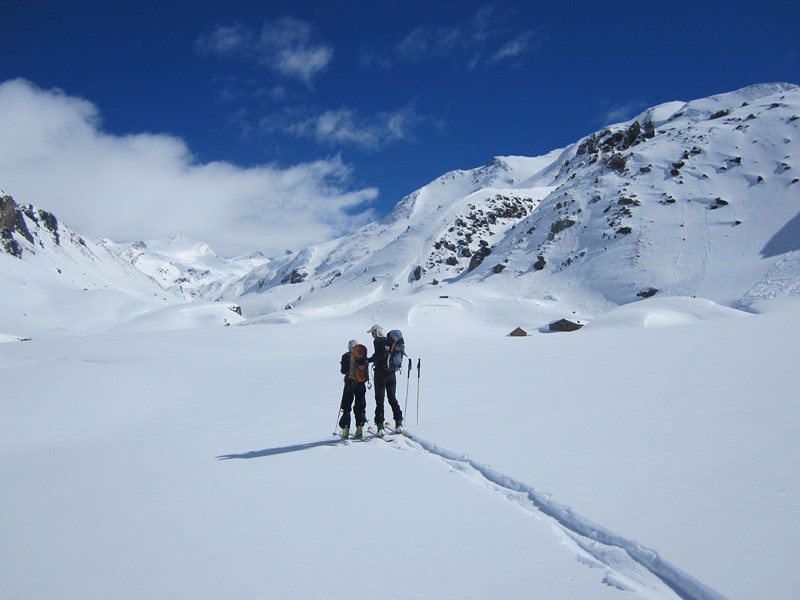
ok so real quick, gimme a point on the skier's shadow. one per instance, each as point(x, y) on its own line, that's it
point(282, 450)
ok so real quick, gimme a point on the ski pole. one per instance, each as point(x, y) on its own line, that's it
point(419, 368)
point(338, 416)
point(408, 385)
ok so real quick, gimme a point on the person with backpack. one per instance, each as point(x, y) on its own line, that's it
point(385, 379)
point(356, 374)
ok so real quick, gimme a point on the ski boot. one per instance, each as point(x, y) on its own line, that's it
point(345, 433)
point(359, 431)
point(398, 426)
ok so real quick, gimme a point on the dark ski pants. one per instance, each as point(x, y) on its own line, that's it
point(386, 385)
point(358, 392)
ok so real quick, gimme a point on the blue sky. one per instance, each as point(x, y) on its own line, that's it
point(357, 102)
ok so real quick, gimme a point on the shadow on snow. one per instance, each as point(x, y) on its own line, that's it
point(282, 450)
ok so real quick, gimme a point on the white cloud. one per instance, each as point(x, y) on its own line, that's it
point(55, 155)
point(620, 112)
point(484, 40)
point(513, 48)
point(346, 126)
point(225, 40)
point(419, 45)
point(286, 46)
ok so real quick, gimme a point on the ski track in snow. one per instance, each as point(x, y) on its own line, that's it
point(629, 566)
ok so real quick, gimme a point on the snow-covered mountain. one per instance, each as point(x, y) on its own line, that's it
point(54, 279)
point(652, 455)
point(693, 198)
point(688, 199)
point(184, 266)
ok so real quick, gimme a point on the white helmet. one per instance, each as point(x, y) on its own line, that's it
point(351, 345)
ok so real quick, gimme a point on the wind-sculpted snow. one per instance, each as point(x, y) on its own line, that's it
point(631, 566)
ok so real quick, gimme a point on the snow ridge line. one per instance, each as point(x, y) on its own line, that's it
point(683, 584)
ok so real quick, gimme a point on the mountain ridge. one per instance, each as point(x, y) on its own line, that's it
point(696, 198)
point(56, 282)
point(592, 222)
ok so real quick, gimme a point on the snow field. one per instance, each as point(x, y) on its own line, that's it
point(201, 463)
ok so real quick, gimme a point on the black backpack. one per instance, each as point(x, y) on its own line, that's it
point(396, 350)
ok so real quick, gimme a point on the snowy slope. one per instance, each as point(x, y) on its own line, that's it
point(624, 461)
point(688, 199)
point(54, 281)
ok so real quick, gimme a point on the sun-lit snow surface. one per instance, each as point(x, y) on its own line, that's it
point(148, 452)
point(620, 461)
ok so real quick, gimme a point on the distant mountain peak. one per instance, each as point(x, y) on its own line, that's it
point(184, 266)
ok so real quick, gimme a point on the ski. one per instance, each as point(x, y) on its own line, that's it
point(385, 437)
point(390, 428)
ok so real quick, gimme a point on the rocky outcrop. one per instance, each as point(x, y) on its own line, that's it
point(467, 237)
point(18, 220)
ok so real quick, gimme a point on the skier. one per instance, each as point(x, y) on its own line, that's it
point(353, 390)
point(385, 381)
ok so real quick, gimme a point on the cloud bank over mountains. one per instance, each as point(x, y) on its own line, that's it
point(55, 154)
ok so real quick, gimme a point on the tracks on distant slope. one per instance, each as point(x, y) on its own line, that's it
point(629, 566)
